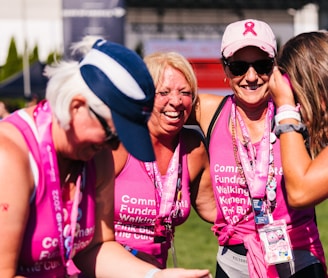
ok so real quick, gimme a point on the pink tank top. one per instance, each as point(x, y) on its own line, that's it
point(135, 208)
point(40, 254)
point(235, 217)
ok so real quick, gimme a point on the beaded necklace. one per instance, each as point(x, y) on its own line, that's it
point(166, 190)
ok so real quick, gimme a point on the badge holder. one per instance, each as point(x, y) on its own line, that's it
point(275, 243)
point(261, 216)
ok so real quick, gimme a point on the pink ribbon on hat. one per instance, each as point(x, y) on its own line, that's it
point(249, 27)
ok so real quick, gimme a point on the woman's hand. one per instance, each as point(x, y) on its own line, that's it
point(280, 89)
point(183, 273)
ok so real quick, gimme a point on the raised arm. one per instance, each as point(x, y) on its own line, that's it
point(306, 179)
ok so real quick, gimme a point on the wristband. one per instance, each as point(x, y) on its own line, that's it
point(287, 115)
point(284, 128)
point(151, 272)
point(288, 107)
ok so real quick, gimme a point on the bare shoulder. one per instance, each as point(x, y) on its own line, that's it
point(16, 178)
point(193, 139)
point(120, 156)
point(210, 99)
point(210, 102)
point(207, 106)
point(197, 155)
point(12, 146)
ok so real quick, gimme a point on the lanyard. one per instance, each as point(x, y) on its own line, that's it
point(165, 189)
point(43, 118)
point(256, 167)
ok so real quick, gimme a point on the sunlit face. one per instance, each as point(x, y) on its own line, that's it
point(89, 134)
point(250, 88)
point(173, 103)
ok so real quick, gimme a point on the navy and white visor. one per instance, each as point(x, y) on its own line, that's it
point(119, 77)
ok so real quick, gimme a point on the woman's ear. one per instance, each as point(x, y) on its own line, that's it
point(77, 102)
point(225, 69)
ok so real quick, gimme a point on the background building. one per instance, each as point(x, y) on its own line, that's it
point(192, 27)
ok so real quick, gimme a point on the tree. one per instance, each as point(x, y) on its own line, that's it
point(14, 62)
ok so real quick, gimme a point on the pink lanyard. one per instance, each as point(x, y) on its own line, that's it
point(43, 118)
point(256, 169)
point(166, 189)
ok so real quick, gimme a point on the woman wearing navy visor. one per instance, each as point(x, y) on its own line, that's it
point(57, 172)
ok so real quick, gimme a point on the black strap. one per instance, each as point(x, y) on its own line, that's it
point(213, 121)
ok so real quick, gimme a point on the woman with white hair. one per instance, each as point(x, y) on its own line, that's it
point(56, 168)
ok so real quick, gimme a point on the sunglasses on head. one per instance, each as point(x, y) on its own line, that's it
point(239, 68)
point(110, 136)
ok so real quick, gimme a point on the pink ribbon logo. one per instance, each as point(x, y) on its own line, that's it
point(249, 27)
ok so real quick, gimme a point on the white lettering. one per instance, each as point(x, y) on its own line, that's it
point(143, 237)
point(44, 255)
point(51, 265)
point(241, 210)
point(228, 210)
point(49, 242)
point(137, 219)
point(138, 201)
point(145, 211)
point(116, 12)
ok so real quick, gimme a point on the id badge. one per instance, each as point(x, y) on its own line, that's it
point(275, 243)
point(260, 211)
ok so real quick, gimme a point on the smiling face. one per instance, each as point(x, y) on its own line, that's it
point(173, 103)
point(251, 88)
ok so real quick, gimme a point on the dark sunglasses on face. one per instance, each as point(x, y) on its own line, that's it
point(110, 136)
point(239, 68)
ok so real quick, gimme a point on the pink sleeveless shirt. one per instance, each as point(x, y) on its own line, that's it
point(135, 208)
point(40, 254)
point(235, 217)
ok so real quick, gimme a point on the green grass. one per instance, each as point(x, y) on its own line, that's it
point(322, 219)
point(196, 245)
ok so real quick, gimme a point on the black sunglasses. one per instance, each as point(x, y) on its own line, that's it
point(239, 68)
point(110, 136)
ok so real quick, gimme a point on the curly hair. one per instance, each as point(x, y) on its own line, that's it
point(305, 59)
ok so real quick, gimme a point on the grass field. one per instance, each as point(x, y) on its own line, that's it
point(196, 245)
point(322, 218)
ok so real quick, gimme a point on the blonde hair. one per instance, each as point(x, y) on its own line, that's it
point(158, 61)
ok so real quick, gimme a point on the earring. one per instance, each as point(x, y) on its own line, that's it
point(225, 80)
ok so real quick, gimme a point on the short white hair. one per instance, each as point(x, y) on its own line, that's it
point(66, 82)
